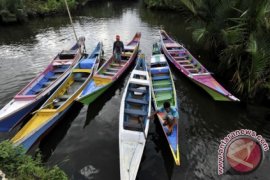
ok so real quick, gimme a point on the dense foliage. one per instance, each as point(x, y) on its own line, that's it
point(48, 6)
point(237, 33)
point(172, 4)
point(16, 164)
point(19, 10)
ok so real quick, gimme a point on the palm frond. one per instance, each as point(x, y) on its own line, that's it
point(190, 5)
point(198, 34)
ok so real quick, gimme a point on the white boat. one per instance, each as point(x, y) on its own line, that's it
point(133, 120)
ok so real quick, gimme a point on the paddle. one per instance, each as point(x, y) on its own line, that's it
point(140, 120)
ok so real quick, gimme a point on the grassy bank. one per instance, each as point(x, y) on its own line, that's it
point(15, 164)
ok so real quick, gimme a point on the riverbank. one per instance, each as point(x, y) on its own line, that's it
point(164, 4)
point(236, 41)
point(17, 11)
point(84, 144)
point(15, 164)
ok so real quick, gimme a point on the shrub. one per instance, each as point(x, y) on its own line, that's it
point(16, 164)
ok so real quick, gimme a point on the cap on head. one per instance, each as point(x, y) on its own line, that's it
point(117, 37)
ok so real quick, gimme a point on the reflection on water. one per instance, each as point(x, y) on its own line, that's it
point(94, 109)
point(85, 142)
point(50, 142)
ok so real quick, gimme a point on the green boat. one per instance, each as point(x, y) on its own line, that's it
point(110, 72)
point(163, 90)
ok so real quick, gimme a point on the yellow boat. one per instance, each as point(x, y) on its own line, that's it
point(59, 102)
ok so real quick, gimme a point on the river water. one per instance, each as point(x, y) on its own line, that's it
point(85, 143)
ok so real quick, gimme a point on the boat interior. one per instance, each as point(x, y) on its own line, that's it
point(52, 73)
point(46, 80)
point(112, 69)
point(184, 58)
point(136, 107)
point(68, 89)
point(161, 82)
point(78, 77)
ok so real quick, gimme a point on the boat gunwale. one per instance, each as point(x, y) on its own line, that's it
point(227, 94)
point(176, 155)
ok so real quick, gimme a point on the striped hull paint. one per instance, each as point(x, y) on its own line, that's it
point(39, 88)
point(110, 72)
point(60, 101)
point(161, 78)
point(172, 140)
point(11, 121)
point(29, 142)
point(214, 94)
point(93, 96)
point(182, 59)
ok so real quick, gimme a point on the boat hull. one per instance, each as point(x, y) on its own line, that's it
point(182, 59)
point(135, 103)
point(174, 147)
point(93, 96)
point(130, 158)
point(163, 89)
point(11, 120)
point(38, 89)
point(214, 94)
point(35, 137)
point(110, 72)
point(58, 103)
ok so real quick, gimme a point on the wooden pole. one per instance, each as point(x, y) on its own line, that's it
point(70, 18)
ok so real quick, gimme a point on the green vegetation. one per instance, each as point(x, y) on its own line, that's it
point(171, 4)
point(16, 164)
point(236, 32)
point(11, 11)
point(48, 6)
point(19, 10)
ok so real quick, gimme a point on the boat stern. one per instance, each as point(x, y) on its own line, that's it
point(27, 136)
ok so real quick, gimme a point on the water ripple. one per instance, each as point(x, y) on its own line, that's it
point(91, 140)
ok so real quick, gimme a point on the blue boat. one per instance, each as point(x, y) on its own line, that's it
point(59, 102)
point(39, 89)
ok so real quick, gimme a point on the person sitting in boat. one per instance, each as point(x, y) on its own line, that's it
point(170, 116)
point(118, 48)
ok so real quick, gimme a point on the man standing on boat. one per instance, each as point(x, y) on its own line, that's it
point(118, 48)
point(170, 116)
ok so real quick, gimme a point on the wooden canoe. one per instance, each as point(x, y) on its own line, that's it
point(193, 69)
point(110, 72)
point(163, 90)
point(133, 120)
point(36, 92)
point(59, 102)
